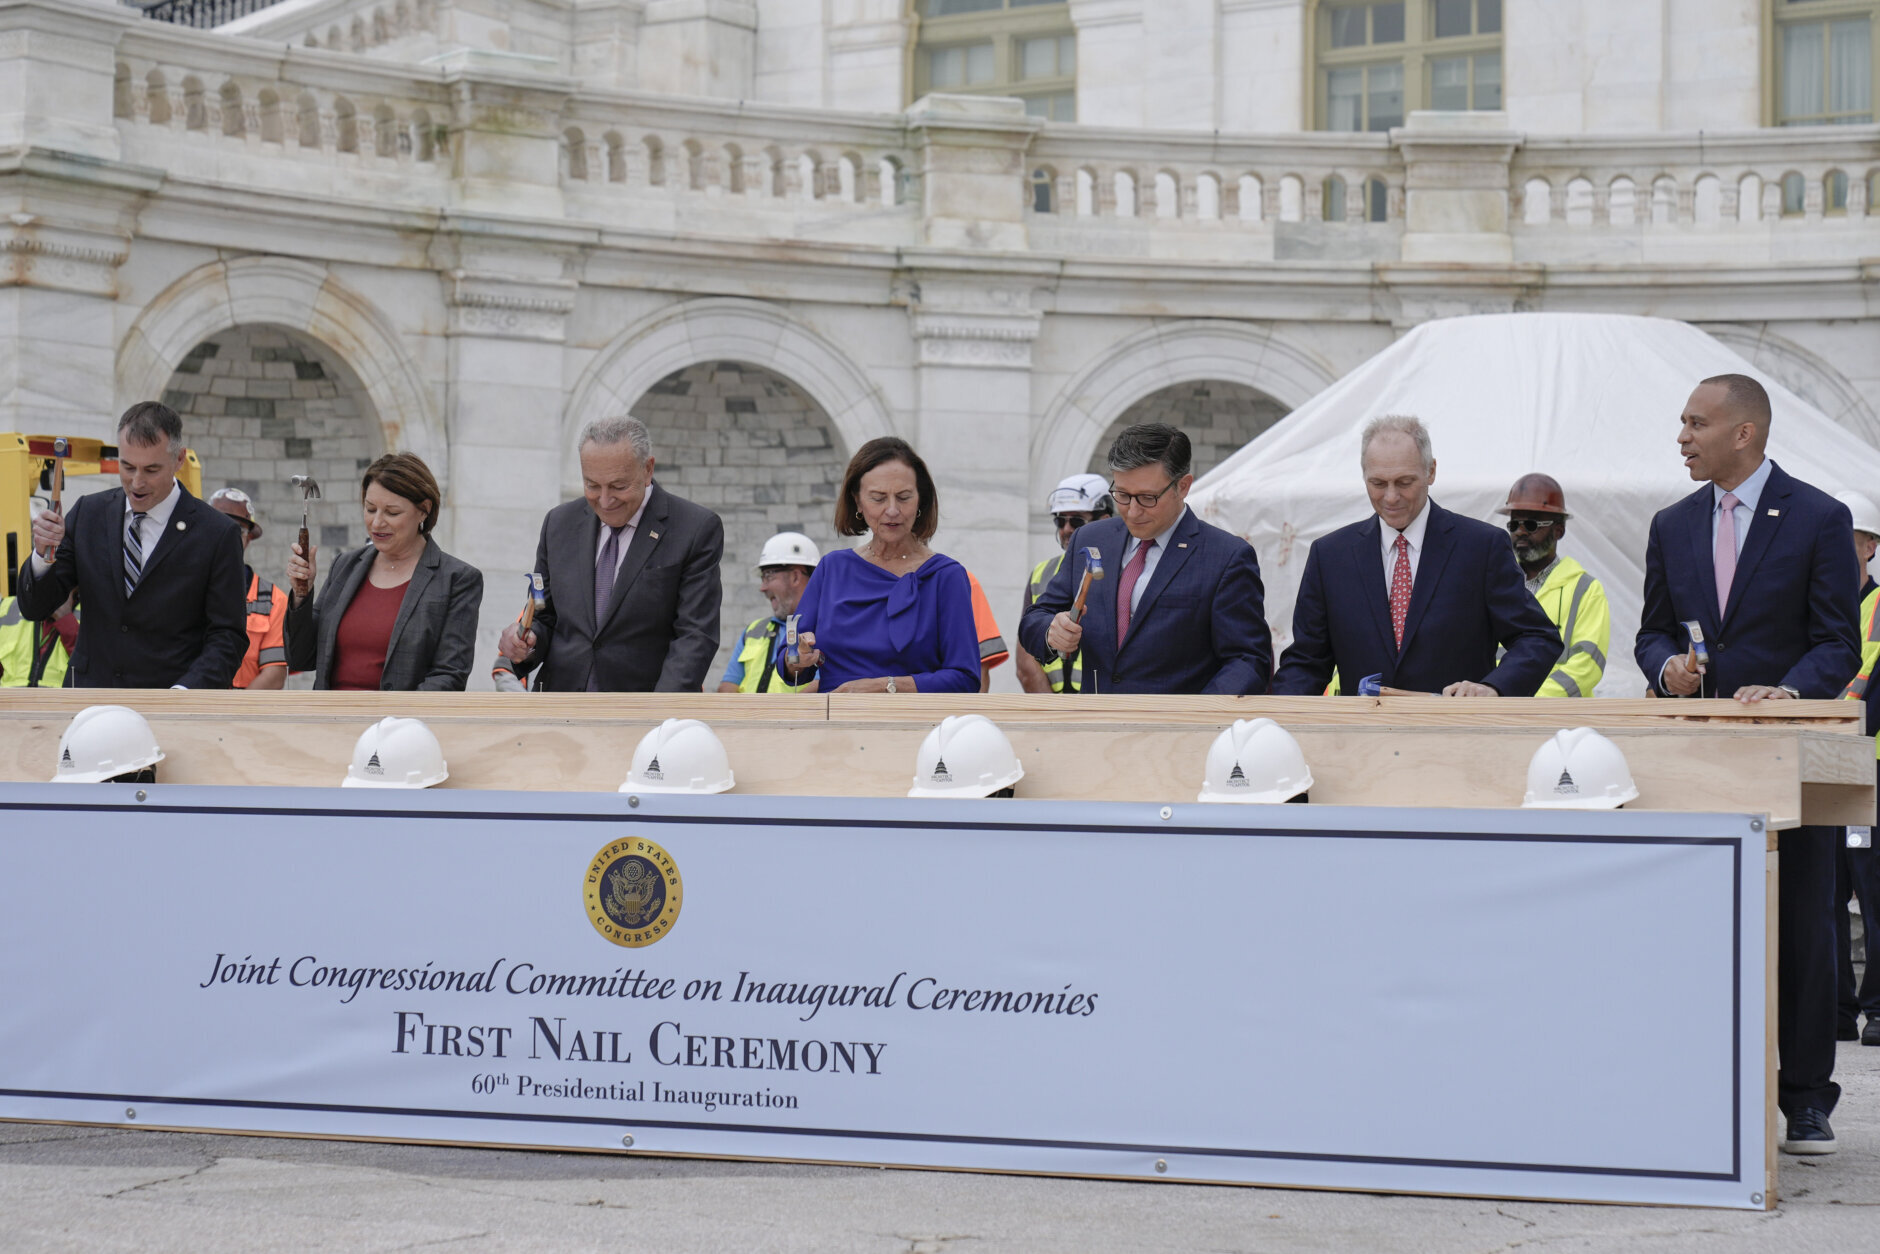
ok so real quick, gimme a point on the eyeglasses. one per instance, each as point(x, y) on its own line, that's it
point(1142, 500)
point(1516, 525)
point(1072, 521)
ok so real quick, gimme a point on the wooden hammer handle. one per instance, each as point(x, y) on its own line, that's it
point(1083, 591)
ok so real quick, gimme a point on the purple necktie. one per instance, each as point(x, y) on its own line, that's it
point(605, 567)
point(1726, 550)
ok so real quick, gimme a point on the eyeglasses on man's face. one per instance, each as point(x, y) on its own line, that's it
point(1517, 525)
point(1071, 522)
point(1142, 500)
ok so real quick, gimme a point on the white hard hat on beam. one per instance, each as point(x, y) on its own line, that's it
point(1255, 760)
point(1578, 770)
point(105, 741)
point(789, 548)
point(1866, 516)
point(396, 753)
point(965, 756)
point(680, 755)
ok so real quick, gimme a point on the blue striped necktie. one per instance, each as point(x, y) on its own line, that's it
point(133, 554)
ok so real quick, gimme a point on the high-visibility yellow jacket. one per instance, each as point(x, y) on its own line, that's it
point(1577, 604)
point(1041, 575)
point(18, 636)
point(1856, 689)
point(751, 669)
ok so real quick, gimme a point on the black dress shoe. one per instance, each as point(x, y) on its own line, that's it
point(1870, 1035)
point(1846, 1030)
point(1809, 1133)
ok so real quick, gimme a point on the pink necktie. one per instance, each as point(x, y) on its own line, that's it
point(1400, 588)
point(1726, 550)
point(1132, 571)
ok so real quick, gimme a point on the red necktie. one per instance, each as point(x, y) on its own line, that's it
point(1132, 571)
point(1400, 588)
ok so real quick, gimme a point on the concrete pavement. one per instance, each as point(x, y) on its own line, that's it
point(92, 1189)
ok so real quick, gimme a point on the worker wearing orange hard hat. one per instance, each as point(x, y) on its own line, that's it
point(1537, 515)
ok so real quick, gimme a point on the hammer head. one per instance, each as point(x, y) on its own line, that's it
point(61, 447)
point(308, 485)
point(1093, 562)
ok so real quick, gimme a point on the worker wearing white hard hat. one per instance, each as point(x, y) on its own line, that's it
point(107, 744)
point(1856, 863)
point(1256, 761)
point(783, 569)
point(680, 755)
point(1578, 770)
point(396, 753)
point(966, 756)
point(1075, 502)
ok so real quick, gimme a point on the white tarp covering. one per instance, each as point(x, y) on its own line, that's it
point(1591, 399)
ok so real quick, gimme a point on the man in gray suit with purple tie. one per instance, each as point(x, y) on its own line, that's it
point(632, 579)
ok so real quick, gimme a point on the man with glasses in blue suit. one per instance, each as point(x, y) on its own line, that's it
point(1181, 607)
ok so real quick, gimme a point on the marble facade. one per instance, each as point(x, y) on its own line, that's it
point(490, 222)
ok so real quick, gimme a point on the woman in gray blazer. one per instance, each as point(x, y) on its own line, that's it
point(397, 615)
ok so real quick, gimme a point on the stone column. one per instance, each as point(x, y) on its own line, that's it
point(1456, 187)
point(67, 212)
point(505, 141)
point(972, 170)
point(974, 334)
point(504, 415)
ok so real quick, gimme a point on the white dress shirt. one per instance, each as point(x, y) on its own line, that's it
point(1387, 536)
point(626, 536)
point(1160, 540)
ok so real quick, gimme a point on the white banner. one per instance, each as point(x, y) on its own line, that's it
point(1503, 1003)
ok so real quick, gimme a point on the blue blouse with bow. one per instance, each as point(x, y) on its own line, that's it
point(870, 624)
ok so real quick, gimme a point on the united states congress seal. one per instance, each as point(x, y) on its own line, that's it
point(632, 891)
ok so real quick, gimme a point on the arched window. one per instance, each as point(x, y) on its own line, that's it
point(423, 136)
point(121, 106)
point(269, 104)
point(1749, 198)
point(616, 157)
point(1252, 196)
point(1537, 202)
point(1167, 196)
point(1622, 202)
point(345, 125)
point(195, 112)
point(1580, 202)
point(234, 123)
point(1376, 200)
point(1087, 193)
point(734, 169)
point(1834, 192)
point(849, 178)
point(157, 98)
point(574, 154)
point(1707, 200)
point(384, 130)
point(1043, 190)
point(1664, 200)
point(1124, 185)
point(889, 171)
point(1292, 199)
point(1794, 194)
point(1208, 197)
point(655, 161)
point(694, 166)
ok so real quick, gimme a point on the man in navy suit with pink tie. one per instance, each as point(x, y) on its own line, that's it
point(1765, 564)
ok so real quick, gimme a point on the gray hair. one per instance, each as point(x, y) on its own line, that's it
point(1148, 443)
point(608, 432)
point(1399, 424)
point(151, 422)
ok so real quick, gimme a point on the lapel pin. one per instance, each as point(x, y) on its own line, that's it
point(1181, 544)
point(182, 526)
point(654, 534)
point(1775, 513)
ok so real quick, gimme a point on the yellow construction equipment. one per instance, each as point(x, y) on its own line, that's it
point(26, 472)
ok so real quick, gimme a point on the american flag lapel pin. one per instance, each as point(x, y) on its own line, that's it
point(1181, 544)
point(654, 534)
point(1775, 513)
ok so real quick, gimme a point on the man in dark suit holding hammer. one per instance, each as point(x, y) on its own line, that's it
point(158, 573)
point(1765, 565)
point(632, 578)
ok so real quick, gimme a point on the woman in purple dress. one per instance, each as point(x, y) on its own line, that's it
point(891, 615)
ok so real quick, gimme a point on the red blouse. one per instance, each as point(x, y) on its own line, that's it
point(365, 633)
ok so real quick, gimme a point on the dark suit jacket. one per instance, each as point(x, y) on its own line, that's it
point(186, 623)
point(1199, 627)
point(1794, 601)
point(433, 638)
point(1469, 597)
point(660, 630)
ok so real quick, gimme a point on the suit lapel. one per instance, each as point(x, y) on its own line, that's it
point(645, 540)
point(1371, 580)
point(413, 592)
point(1180, 545)
point(1771, 509)
point(1698, 508)
point(1437, 545)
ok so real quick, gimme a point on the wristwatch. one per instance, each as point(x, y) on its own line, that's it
point(891, 687)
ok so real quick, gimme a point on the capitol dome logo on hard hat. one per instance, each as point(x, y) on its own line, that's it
point(632, 891)
point(374, 766)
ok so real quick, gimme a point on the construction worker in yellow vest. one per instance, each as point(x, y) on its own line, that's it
point(1077, 501)
point(264, 666)
point(1857, 866)
point(1537, 520)
point(31, 654)
point(783, 568)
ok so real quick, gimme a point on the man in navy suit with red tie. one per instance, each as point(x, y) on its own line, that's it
point(1417, 596)
point(1765, 564)
point(1183, 608)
